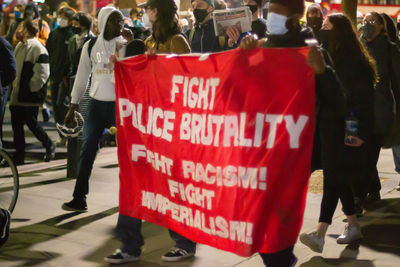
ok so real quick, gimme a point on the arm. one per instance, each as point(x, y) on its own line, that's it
point(8, 66)
point(41, 72)
point(82, 76)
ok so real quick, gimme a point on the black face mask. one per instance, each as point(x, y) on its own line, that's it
point(324, 37)
point(200, 15)
point(76, 30)
point(315, 23)
point(369, 30)
point(253, 9)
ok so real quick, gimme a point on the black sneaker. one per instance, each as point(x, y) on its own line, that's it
point(75, 205)
point(119, 257)
point(177, 254)
point(50, 152)
point(4, 227)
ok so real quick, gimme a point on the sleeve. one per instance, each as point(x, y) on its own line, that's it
point(179, 45)
point(49, 43)
point(331, 92)
point(82, 76)
point(41, 72)
point(8, 65)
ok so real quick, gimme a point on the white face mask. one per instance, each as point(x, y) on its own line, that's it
point(62, 23)
point(276, 24)
point(146, 21)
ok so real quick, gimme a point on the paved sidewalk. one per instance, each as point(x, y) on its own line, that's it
point(43, 234)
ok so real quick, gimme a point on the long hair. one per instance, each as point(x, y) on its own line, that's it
point(346, 46)
point(390, 28)
point(166, 24)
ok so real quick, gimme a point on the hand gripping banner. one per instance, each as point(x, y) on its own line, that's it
point(217, 147)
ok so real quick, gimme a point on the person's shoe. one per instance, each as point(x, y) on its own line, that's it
point(119, 257)
point(5, 227)
point(351, 233)
point(314, 241)
point(61, 142)
point(398, 187)
point(50, 152)
point(176, 254)
point(75, 205)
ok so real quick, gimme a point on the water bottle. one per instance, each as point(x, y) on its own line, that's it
point(351, 129)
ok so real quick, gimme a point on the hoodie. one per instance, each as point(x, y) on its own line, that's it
point(102, 87)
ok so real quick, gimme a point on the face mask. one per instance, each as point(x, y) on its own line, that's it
point(76, 30)
point(17, 14)
point(315, 23)
point(146, 21)
point(62, 23)
point(200, 15)
point(369, 30)
point(276, 24)
point(253, 9)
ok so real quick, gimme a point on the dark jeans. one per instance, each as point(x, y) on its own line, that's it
point(283, 258)
point(28, 115)
point(129, 232)
point(58, 94)
point(100, 115)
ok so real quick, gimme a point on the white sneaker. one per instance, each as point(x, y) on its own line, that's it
point(351, 233)
point(398, 187)
point(314, 241)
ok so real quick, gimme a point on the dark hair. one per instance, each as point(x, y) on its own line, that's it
point(390, 27)
point(315, 8)
point(133, 11)
point(84, 19)
point(68, 12)
point(380, 19)
point(166, 24)
point(346, 46)
point(31, 26)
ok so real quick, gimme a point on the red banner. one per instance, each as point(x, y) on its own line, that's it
point(217, 147)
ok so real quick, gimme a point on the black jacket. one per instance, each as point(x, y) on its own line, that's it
point(74, 54)
point(8, 66)
point(57, 46)
point(259, 27)
point(384, 52)
point(203, 39)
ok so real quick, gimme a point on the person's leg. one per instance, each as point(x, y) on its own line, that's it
point(396, 158)
point(17, 123)
point(182, 242)
point(283, 258)
point(92, 131)
point(3, 105)
point(36, 129)
point(374, 185)
point(129, 232)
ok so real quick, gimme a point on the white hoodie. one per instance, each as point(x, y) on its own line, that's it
point(102, 87)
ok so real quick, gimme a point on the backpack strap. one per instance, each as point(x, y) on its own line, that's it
point(91, 44)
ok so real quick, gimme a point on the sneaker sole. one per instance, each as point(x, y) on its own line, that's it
point(306, 241)
point(65, 207)
point(338, 241)
point(118, 261)
point(175, 259)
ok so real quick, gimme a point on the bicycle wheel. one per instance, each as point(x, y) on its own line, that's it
point(9, 182)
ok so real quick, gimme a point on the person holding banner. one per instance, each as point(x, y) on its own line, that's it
point(284, 30)
point(95, 62)
point(346, 161)
point(166, 39)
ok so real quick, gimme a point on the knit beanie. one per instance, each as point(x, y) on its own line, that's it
point(296, 6)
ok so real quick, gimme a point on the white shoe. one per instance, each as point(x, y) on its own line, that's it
point(398, 187)
point(314, 241)
point(120, 257)
point(351, 233)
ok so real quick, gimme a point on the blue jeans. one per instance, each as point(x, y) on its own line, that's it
point(3, 104)
point(396, 158)
point(100, 115)
point(129, 232)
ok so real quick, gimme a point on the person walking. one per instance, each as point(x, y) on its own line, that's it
point(344, 155)
point(29, 91)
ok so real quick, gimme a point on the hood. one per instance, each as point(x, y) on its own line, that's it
point(33, 7)
point(104, 14)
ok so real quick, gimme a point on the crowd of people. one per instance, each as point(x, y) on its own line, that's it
point(72, 55)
